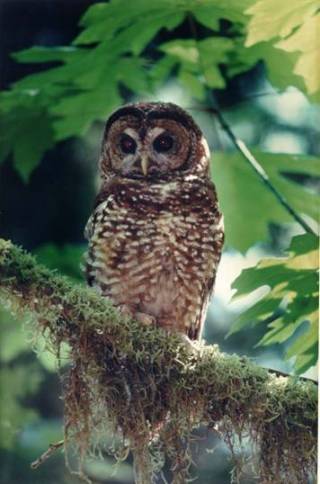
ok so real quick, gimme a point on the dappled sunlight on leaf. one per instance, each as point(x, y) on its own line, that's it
point(296, 23)
point(272, 19)
point(291, 301)
point(306, 41)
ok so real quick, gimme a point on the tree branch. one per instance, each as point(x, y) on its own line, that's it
point(152, 388)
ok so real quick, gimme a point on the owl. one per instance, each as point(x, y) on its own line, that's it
point(156, 232)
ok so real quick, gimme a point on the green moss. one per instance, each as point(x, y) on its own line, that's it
point(153, 389)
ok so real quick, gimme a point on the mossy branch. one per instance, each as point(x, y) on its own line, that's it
point(148, 386)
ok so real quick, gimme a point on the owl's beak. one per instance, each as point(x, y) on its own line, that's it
point(144, 164)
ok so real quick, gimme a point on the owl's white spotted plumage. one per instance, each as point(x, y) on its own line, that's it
point(156, 233)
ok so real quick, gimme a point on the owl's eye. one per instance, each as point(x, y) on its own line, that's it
point(127, 144)
point(163, 143)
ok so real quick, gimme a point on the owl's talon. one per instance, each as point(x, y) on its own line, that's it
point(145, 319)
point(125, 310)
point(190, 345)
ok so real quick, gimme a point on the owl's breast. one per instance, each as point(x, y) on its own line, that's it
point(155, 249)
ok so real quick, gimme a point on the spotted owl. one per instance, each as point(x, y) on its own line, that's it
point(156, 232)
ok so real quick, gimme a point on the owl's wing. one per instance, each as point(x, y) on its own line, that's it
point(90, 230)
point(102, 196)
point(195, 331)
point(206, 297)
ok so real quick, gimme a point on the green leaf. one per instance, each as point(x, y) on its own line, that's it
point(213, 52)
point(192, 83)
point(272, 18)
point(102, 20)
point(131, 72)
point(296, 23)
point(32, 142)
point(85, 87)
point(260, 310)
point(76, 113)
point(28, 133)
point(256, 205)
point(184, 51)
point(210, 12)
point(304, 345)
point(48, 54)
point(244, 58)
point(306, 360)
point(199, 62)
point(146, 29)
point(134, 24)
point(290, 303)
point(306, 41)
point(161, 71)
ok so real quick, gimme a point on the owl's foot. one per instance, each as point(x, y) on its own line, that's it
point(190, 345)
point(125, 310)
point(143, 318)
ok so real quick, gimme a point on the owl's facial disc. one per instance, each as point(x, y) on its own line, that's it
point(152, 148)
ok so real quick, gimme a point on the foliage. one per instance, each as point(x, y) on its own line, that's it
point(232, 177)
point(290, 303)
point(110, 52)
point(196, 58)
point(298, 23)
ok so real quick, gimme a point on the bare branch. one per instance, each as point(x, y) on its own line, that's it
point(48, 453)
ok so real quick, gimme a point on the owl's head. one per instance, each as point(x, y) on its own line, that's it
point(152, 141)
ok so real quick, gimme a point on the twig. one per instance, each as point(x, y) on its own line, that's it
point(255, 165)
point(47, 454)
